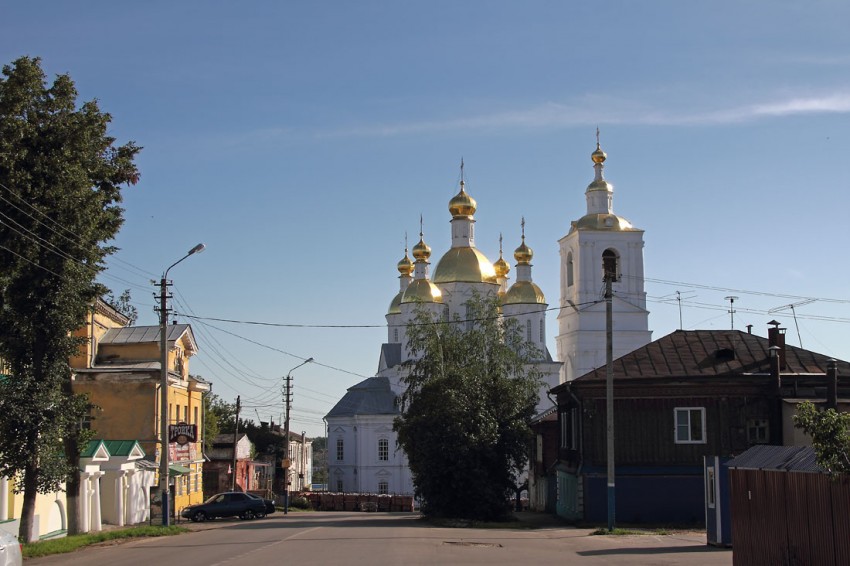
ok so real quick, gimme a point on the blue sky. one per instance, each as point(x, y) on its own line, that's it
point(300, 141)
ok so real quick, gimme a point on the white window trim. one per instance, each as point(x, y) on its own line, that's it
point(676, 425)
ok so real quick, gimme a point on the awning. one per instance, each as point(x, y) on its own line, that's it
point(178, 470)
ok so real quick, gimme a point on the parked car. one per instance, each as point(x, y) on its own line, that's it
point(268, 502)
point(228, 504)
point(10, 550)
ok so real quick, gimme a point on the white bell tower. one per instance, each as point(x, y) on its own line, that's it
point(581, 320)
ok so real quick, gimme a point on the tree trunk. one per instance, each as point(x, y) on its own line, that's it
point(72, 486)
point(27, 532)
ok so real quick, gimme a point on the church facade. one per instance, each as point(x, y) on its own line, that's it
point(362, 451)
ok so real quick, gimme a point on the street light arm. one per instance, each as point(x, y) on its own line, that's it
point(197, 249)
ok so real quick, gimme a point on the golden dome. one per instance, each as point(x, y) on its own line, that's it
point(606, 222)
point(395, 305)
point(501, 267)
point(462, 205)
point(405, 266)
point(523, 254)
point(421, 251)
point(600, 185)
point(599, 156)
point(524, 293)
point(464, 264)
point(422, 291)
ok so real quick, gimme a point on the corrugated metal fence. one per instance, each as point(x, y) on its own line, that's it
point(789, 518)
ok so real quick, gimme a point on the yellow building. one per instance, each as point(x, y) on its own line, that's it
point(119, 369)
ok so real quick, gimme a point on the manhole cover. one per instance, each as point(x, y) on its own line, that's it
point(474, 544)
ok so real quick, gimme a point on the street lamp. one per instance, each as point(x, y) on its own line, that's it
point(287, 462)
point(163, 386)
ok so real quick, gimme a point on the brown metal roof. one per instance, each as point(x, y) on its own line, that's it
point(706, 353)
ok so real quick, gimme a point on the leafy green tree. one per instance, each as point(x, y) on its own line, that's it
point(211, 421)
point(830, 432)
point(464, 424)
point(60, 177)
point(123, 305)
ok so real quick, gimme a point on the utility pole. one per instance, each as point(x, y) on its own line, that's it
point(163, 388)
point(235, 442)
point(287, 462)
point(609, 266)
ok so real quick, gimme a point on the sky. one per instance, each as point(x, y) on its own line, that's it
point(301, 141)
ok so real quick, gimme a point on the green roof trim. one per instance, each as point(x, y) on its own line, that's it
point(178, 470)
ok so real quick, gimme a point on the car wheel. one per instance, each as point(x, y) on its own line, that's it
point(247, 514)
point(199, 517)
point(260, 514)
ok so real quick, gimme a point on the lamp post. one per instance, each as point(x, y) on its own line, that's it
point(163, 386)
point(287, 400)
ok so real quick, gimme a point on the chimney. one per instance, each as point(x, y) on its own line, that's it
point(832, 384)
point(749, 329)
point(776, 337)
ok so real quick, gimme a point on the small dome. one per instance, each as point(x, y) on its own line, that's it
point(523, 254)
point(421, 251)
point(599, 156)
point(606, 222)
point(462, 205)
point(395, 305)
point(405, 266)
point(524, 293)
point(501, 266)
point(422, 291)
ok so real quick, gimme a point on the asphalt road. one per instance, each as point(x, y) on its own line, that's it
point(355, 539)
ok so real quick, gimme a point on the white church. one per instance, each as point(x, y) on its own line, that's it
point(362, 452)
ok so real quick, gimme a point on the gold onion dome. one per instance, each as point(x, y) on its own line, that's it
point(395, 304)
point(524, 293)
point(422, 291)
point(462, 205)
point(464, 264)
point(405, 266)
point(599, 156)
point(421, 251)
point(523, 253)
point(501, 266)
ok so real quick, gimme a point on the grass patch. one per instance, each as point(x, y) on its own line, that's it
point(74, 542)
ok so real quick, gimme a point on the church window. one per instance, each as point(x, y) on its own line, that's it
point(570, 269)
point(610, 265)
point(340, 449)
point(339, 484)
point(383, 449)
point(383, 487)
point(468, 318)
point(528, 330)
point(395, 334)
point(445, 313)
point(542, 332)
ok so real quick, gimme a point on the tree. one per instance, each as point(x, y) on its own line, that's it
point(123, 305)
point(464, 423)
point(830, 432)
point(60, 177)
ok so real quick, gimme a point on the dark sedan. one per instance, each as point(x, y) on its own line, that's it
point(228, 504)
point(268, 503)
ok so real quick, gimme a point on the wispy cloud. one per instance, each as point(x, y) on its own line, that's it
point(592, 111)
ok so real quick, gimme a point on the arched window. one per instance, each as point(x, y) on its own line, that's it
point(542, 332)
point(570, 269)
point(528, 330)
point(610, 265)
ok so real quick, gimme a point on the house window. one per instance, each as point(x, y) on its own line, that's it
point(340, 449)
point(383, 449)
point(195, 410)
point(185, 413)
point(690, 425)
point(569, 429)
point(758, 431)
point(383, 487)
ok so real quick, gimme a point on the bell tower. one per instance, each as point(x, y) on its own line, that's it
point(599, 241)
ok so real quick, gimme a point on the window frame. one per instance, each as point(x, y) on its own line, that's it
point(676, 425)
point(383, 450)
point(340, 449)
